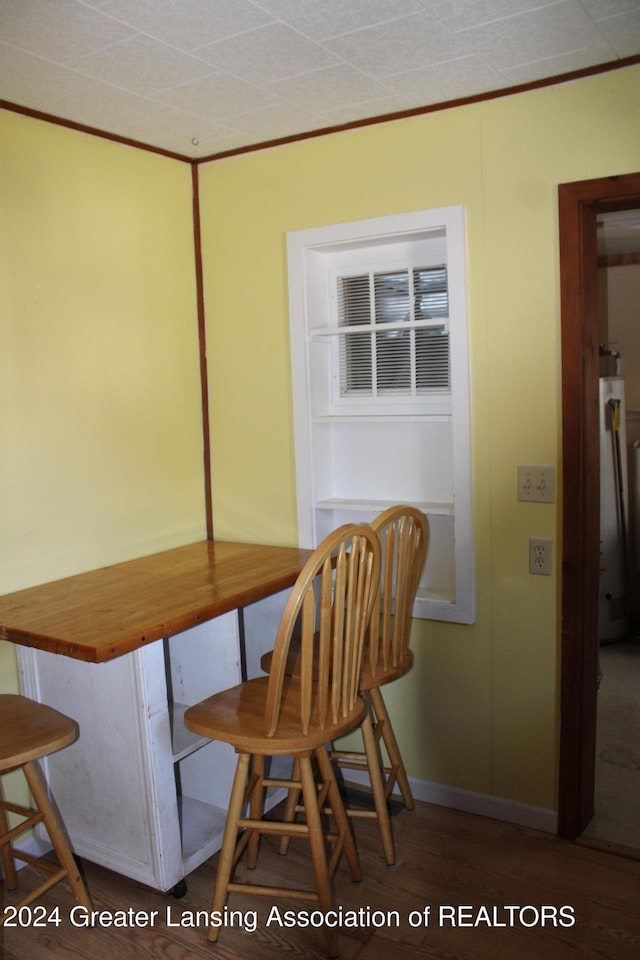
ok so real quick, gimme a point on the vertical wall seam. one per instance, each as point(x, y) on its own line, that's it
point(202, 342)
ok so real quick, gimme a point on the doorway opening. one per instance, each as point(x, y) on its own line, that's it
point(579, 204)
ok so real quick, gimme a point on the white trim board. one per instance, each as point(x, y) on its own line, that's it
point(481, 804)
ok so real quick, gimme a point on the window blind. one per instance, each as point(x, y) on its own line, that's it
point(394, 337)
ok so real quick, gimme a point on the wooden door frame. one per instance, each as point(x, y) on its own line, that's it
point(578, 205)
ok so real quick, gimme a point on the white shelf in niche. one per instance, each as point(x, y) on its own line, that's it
point(201, 819)
point(441, 416)
point(198, 820)
point(184, 741)
point(432, 508)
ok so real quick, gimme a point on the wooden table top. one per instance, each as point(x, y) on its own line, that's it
point(105, 613)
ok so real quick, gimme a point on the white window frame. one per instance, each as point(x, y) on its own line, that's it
point(310, 254)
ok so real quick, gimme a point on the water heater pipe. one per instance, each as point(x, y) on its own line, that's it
point(615, 405)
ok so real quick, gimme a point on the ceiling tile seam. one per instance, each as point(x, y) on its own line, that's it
point(420, 12)
point(160, 39)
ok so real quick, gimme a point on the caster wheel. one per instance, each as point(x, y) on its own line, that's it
point(179, 890)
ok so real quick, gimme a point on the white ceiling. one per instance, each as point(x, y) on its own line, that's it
point(199, 77)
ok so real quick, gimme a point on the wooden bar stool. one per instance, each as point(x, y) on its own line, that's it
point(29, 731)
point(331, 603)
point(404, 538)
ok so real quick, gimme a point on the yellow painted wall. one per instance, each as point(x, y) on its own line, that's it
point(480, 709)
point(100, 415)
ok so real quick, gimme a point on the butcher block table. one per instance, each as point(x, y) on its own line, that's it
point(125, 650)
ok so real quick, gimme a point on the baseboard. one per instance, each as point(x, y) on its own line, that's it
point(482, 804)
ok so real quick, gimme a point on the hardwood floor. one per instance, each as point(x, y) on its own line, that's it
point(566, 900)
point(617, 791)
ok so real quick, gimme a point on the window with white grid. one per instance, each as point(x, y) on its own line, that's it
point(393, 332)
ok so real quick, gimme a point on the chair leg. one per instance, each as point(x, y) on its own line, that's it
point(378, 791)
point(8, 865)
point(399, 773)
point(318, 853)
point(345, 840)
point(56, 835)
point(227, 851)
point(292, 801)
point(256, 809)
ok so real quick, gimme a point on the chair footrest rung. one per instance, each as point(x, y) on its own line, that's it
point(263, 890)
point(353, 756)
point(39, 891)
point(352, 765)
point(37, 862)
point(18, 808)
point(289, 784)
point(275, 826)
point(361, 814)
point(32, 818)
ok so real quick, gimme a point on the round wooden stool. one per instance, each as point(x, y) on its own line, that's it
point(29, 731)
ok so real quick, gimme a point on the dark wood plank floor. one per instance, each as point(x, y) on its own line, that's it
point(566, 901)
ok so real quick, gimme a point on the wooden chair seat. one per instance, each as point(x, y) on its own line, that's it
point(237, 717)
point(330, 606)
point(28, 732)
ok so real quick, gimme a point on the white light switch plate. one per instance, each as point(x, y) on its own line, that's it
point(537, 483)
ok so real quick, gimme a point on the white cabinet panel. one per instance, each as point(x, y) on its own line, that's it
point(115, 785)
point(138, 793)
